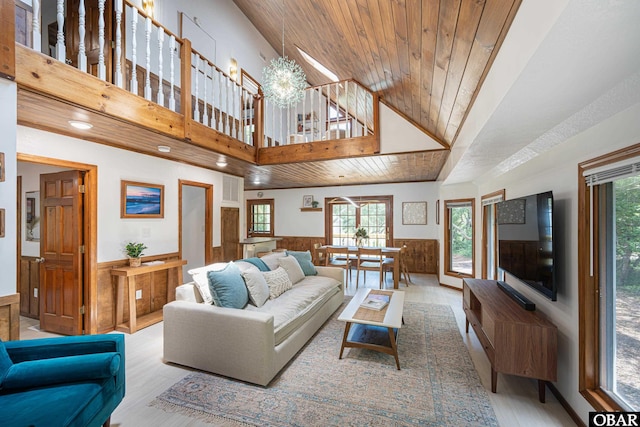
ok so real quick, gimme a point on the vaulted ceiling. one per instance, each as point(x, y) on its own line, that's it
point(426, 58)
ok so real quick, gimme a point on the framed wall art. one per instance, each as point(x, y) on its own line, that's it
point(414, 213)
point(1, 167)
point(307, 201)
point(140, 200)
point(512, 212)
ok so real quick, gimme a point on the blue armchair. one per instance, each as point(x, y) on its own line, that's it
point(67, 381)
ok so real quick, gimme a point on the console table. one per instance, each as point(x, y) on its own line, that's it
point(127, 285)
point(516, 341)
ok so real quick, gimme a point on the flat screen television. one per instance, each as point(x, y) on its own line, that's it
point(525, 241)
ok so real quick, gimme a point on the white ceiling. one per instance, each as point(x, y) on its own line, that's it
point(586, 68)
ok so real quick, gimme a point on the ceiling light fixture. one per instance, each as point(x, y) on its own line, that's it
point(221, 163)
point(318, 66)
point(80, 125)
point(164, 148)
point(284, 81)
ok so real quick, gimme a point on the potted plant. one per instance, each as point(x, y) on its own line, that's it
point(315, 204)
point(134, 251)
point(361, 234)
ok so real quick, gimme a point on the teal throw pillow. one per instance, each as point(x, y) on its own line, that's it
point(304, 259)
point(262, 266)
point(228, 288)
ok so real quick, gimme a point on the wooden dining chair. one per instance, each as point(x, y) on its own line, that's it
point(338, 256)
point(319, 254)
point(370, 259)
point(404, 271)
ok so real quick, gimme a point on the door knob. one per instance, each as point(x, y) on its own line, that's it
point(39, 260)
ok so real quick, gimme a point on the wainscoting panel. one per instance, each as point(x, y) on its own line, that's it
point(10, 317)
point(29, 287)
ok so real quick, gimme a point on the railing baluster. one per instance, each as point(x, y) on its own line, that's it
point(205, 115)
point(320, 105)
point(337, 110)
point(311, 111)
point(357, 114)
point(134, 45)
point(220, 122)
point(172, 49)
point(212, 118)
point(234, 109)
point(35, 30)
point(60, 47)
point(147, 80)
point(196, 107)
point(347, 131)
point(82, 56)
point(118, 71)
point(102, 69)
point(160, 99)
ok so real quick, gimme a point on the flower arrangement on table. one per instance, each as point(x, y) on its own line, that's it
point(361, 234)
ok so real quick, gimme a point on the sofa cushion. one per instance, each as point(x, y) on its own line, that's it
point(258, 262)
point(292, 267)
point(257, 286)
point(278, 282)
point(5, 362)
point(293, 308)
point(200, 278)
point(305, 261)
point(227, 287)
point(271, 259)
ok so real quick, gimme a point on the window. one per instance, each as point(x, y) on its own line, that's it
point(260, 215)
point(459, 245)
point(609, 266)
point(346, 214)
point(489, 234)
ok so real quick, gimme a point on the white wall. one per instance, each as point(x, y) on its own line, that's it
point(557, 170)
point(8, 243)
point(289, 221)
point(114, 165)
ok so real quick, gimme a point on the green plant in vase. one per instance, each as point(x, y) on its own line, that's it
point(361, 234)
point(134, 251)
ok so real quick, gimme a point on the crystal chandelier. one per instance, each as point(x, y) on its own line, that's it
point(284, 81)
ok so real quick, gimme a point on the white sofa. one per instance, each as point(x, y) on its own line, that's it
point(251, 344)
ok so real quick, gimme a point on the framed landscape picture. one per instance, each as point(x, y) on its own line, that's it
point(140, 200)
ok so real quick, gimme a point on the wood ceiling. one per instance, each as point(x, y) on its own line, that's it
point(426, 58)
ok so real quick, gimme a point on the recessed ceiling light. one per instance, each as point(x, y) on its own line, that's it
point(80, 125)
point(164, 148)
point(221, 163)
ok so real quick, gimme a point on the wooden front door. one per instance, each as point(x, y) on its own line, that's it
point(230, 222)
point(91, 39)
point(61, 239)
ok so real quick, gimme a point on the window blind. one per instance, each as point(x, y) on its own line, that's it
point(492, 200)
point(612, 172)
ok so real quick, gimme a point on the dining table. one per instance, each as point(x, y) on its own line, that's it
point(387, 252)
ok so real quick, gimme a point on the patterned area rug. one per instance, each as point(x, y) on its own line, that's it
point(436, 386)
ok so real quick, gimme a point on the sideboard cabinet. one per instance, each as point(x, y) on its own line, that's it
point(516, 341)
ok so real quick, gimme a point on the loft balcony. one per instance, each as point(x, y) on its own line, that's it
point(142, 86)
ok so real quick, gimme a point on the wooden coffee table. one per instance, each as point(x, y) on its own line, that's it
point(373, 334)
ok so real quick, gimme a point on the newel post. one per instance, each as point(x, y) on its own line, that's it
point(185, 86)
point(258, 114)
point(8, 39)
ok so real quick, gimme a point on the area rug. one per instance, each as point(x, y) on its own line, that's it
point(436, 386)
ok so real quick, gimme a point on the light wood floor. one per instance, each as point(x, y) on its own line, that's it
point(515, 404)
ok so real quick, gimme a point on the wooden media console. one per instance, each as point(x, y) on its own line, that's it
point(516, 341)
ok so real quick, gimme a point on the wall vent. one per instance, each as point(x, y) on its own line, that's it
point(230, 189)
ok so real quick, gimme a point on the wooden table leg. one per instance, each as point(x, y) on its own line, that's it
point(344, 338)
point(541, 390)
point(396, 271)
point(466, 325)
point(494, 380)
point(132, 305)
point(394, 346)
point(120, 300)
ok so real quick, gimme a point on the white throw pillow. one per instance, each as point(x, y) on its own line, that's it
point(271, 259)
point(257, 286)
point(292, 266)
point(278, 282)
point(200, 278)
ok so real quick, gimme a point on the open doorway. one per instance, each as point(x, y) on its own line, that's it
point(195, 222)
point(56, 249)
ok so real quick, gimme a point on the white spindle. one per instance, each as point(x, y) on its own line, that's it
point(320, 101)
point(227, 124)
point(102, 68)
point(366, 114)
point(346, 110)
point(196, 107)
point(35, 24)
point(337, 111)
point(160, 99)
point(205, 115)
point(172, 48)
point(118, 71)
point(134, 58)
point(82, 55)
point(220, 123)
point(313, 135)
point(234, 110)
point(357, 115)
point(147, 79)
point(60, 47)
